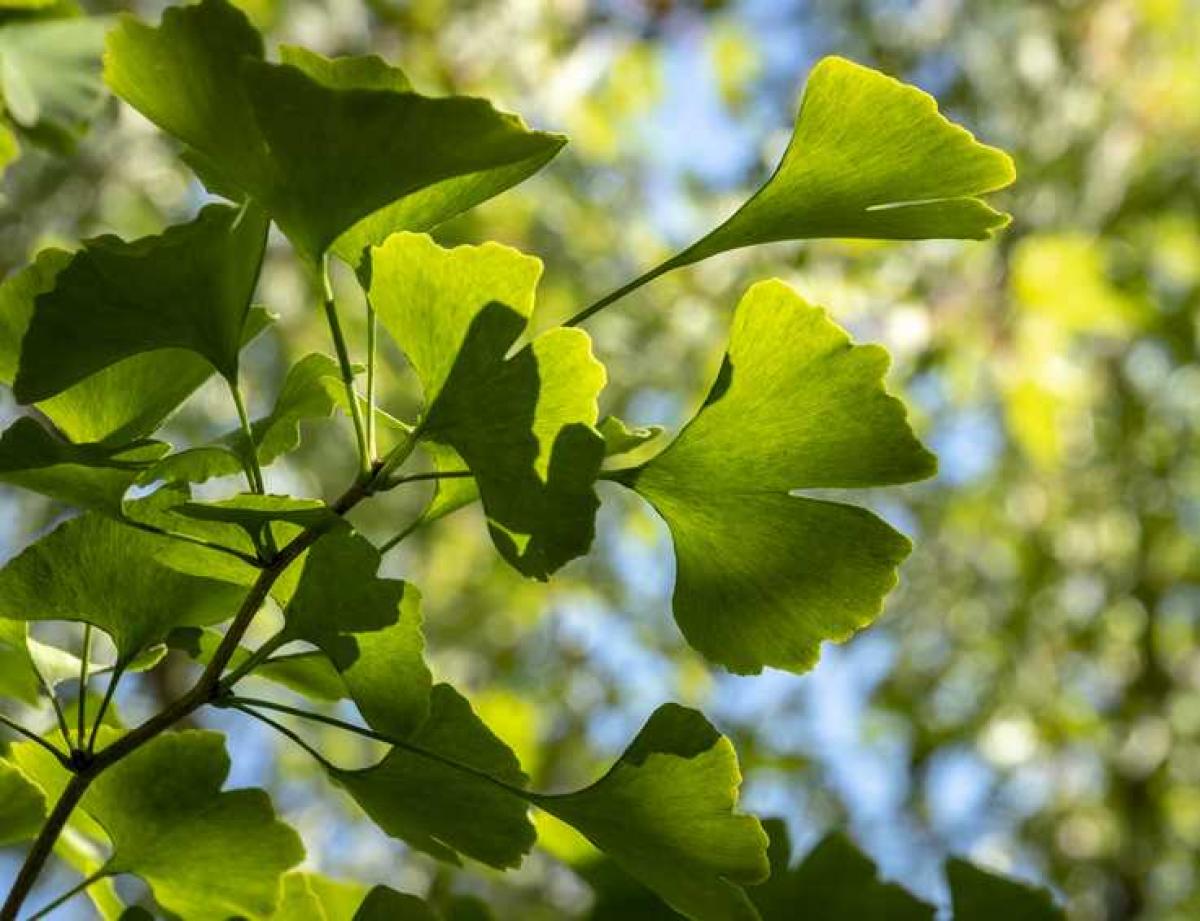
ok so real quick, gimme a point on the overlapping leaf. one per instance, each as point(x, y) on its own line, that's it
point(763, 577)
point(979, 895)
point(312, 390)
point(869, 157)
point(834, 881)
point(523, 425)
point(124, 401)
point(187, 288)
point(22, 805)
point(340, 154)
point(205, 853)
point(96, 570)
point(665, 813)
point(439, 792)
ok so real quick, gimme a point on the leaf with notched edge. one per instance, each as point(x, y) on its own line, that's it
point(763, 577)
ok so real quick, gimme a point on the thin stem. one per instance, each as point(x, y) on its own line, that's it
point(84, 662)
point(203, 692)
point(255, 659)
point(68, 895)
point(61, 717)
point(44, 844)
point(432, 475)
point(254, 474)
point(34, 737)
point(396, 539)
point(372, 345)
point(242, 703)
point(295, 737)
point(114, 679)
point(343, 357)
point(613, 296)
point(198, 541)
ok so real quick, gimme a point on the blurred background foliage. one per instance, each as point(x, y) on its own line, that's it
point(1031, 696)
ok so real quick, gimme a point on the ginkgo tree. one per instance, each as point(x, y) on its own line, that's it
point(350, 163)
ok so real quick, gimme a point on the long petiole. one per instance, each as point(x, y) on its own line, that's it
point(114, 679)
point(189, 539)
point(61, 717)
point(613, 296)
point(244, 703)
point(254, 474)
point(68, 895)
point(372, 345)
point(34, 737)
point(255, 659)
point(84, 662)
point(347, 369)
point(295, 737)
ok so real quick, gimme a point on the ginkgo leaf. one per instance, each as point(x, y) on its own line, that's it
point(124, 401)
point(187, 288)
point(978, 895)
point(99, 571)
point(523, 424)
point(331, 153)
point(355, 72)
point(369, 627)
point(86, 476)
point(441, 808)
point(22, 805)
point(384, 904)
point(665, 813)
point(620, 438)
point(763, 577)
point(834, 881)
point(869, 157)
point(206, 853)
point(312, 897)
point(50, 73)
point(18, 676)
point(312, 390)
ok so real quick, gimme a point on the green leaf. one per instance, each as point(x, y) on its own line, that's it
point(620, 438)
point(311, 897)
point(18, 675)
point(523, 424)
point(205, 853)
point(187, 288)
point(101, 572)
point(869, 157)
point(439, 808)
point(665, 813)
point(384, 904)
point(332, 149)
point(763, 577)
point(309, 673)
point(312, 390)
point(22, 805)
point(86, 476)
point(978, 895)
point(834, 881)
point(50, 72)
point(363, 72)
point(124, 401)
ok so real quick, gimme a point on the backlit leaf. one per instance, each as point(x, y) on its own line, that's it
point(384, 904)
point(85, 476)
point(330, 152)
point(442, 809)
point(22, 805)
point(763, 577)
point(187, 288)
point(311, 897)
point(665, 813)
point(869, 157)
point(522, 425)
point(620, 438)
point(96, 570)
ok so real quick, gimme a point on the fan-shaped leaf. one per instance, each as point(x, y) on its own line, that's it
point(665, 813)
point(764, 577)
point(96, 570)
point(187, 288)
point(523, 425)
point(978, 895)
point(22, 805)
